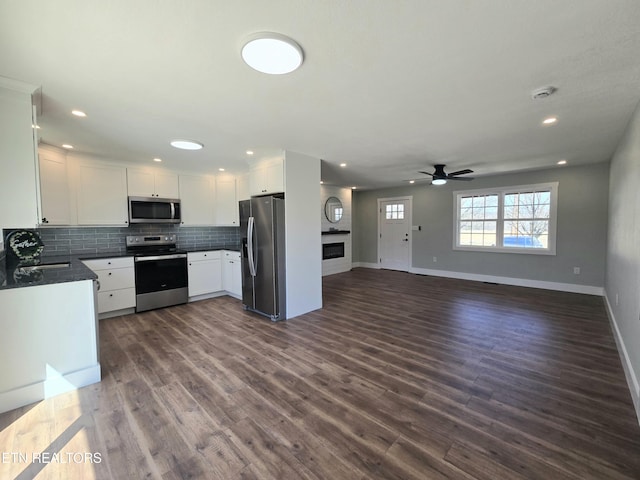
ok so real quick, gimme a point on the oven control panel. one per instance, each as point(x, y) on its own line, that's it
point(151, 240)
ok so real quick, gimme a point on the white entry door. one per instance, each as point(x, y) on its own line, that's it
point(394, 243)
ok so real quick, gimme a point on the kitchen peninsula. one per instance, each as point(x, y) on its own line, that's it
point(49, 342)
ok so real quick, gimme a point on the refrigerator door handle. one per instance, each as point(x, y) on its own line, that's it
point(252, 266)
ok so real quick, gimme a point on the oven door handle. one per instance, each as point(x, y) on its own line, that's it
point(160, 257)
point(252, 265)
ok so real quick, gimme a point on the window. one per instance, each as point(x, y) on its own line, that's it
point(395, 211)
point(507, 219)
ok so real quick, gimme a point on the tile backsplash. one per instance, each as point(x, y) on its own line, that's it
point(87, 240)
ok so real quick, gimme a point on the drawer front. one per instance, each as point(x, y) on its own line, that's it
point(116, 279)
point(231, 255)
point(116, 300)
point(199, 256)
point(108, 263)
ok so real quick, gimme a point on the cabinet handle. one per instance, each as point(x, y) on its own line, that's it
point(109, 273)
point(111, 294)
point(109, 263)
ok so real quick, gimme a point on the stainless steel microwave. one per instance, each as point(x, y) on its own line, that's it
point(154, 210)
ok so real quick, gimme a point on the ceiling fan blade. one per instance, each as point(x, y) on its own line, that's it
point(464, 179)
point(426, 173)
point(461, 172)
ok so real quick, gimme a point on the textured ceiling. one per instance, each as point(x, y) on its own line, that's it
point(389, 87)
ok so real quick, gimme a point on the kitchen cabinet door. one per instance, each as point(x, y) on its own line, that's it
point(54, 188)
point(242, 187)
point(166, 185)
point(204, 277)
point(147, 182)
point(197, 200)
point(102, 195)
point(267, 176)
point(227, 211)
point(232, 274)
point(140, 183)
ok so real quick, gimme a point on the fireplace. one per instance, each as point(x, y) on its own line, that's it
point(332, 250)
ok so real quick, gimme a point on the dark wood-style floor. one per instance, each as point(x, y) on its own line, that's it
point(398, 376)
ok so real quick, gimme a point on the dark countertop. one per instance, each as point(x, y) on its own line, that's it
point(24, 276)
point(76, 270)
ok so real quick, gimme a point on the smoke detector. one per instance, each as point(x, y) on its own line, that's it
point(543, 92)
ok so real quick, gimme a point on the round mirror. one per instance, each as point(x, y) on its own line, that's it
point(333, 209)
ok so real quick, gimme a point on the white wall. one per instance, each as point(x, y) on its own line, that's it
point(581, 232)
point(336, 265)
point(622, 284)
point(302, 231)
point(18, 191)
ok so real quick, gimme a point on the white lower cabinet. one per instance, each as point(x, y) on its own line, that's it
point(231, 273)
point(205, 272)
point(116, 279)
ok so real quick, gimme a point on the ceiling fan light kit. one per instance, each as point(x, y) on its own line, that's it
point(440, 177)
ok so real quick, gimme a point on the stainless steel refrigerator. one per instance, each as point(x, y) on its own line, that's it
point(263, 256)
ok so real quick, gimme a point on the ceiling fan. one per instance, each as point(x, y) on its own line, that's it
point(440, 177)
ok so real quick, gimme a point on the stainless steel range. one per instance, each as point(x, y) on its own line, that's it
point(160, 269)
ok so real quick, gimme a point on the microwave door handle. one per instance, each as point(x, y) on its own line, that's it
point(252, 267)
point(173, 211)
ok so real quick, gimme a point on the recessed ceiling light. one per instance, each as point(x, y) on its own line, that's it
point(67, 146)
point(321, 182)
point(157, 159)
point(353, 188)
point(343, 165)
point(412, 181)
point(249, 152)
point(272, 53)
point(438, 181)
point(562, 162)
point(37, 127)
point(221, 169)
point(186, 144)
point(78, 113)
point(550, 120)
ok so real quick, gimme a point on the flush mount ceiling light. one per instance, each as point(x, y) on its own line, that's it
point(343, 165)
point(272, 53)
point(438, 181)
point(157, 159)
point(186, 145)
point(78, 113)
point(562, 162)
point(550, 120)
point(249, 152)
point(67, 146)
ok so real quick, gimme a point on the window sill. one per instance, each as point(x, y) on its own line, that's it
point(526, 251)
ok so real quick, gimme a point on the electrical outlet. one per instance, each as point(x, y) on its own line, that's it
point(435, 259)
point(576, 270)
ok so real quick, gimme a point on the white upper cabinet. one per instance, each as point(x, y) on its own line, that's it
point(242, 187)
point(266, 176)
point(54, 188)
point(148, 182)
point(197, 200)
point(102, 195)
point(226, 205)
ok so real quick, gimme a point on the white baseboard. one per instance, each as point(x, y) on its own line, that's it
point(53, 385)
point(116, 313)
point(206, 296)
point(518, 282)
point(365, 265)
point(630, 374)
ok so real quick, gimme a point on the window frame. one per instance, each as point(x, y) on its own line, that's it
point(552, 187)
